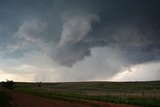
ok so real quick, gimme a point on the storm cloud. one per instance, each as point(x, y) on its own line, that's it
point(104, 36)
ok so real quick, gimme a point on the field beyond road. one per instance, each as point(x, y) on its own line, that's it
point(85, 94)
point(25, 100)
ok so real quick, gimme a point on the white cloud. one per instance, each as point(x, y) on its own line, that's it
point(76, 27)
point(141, 72)
point(16, 77)
point(102, 65)
point(31, 31)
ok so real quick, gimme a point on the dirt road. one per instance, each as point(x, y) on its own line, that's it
point(25, 100)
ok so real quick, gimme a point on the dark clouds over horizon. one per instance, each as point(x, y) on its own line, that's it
point(67, 31)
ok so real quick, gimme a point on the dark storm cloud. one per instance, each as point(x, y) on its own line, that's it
point(70, 29)
point(132, 26)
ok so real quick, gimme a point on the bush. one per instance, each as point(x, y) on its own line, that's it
point(8, 84)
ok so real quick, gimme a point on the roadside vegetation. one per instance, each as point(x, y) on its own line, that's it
point(135, 93)
point(4, 99)
point(9, 84)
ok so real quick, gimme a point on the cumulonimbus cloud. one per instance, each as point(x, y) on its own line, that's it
point(32, 30)
point(76, 27)
point(67, 32)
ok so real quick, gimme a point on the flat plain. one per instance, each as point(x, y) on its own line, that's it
point(85, 94)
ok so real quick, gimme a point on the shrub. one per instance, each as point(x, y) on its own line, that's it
point(8, 84)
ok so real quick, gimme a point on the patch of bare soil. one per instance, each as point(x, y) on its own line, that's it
point(25, 100)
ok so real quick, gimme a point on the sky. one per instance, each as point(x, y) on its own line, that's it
point(79, 40)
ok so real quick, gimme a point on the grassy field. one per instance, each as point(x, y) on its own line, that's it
point(4, 99)
point(136, 93)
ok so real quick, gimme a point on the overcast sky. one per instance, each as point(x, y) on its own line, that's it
point(79, 40)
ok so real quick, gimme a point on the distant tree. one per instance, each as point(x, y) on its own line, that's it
point(8, 84)
point(39, 84)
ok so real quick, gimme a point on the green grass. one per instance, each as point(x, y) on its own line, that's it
point(4, 100)
point(113, 92)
